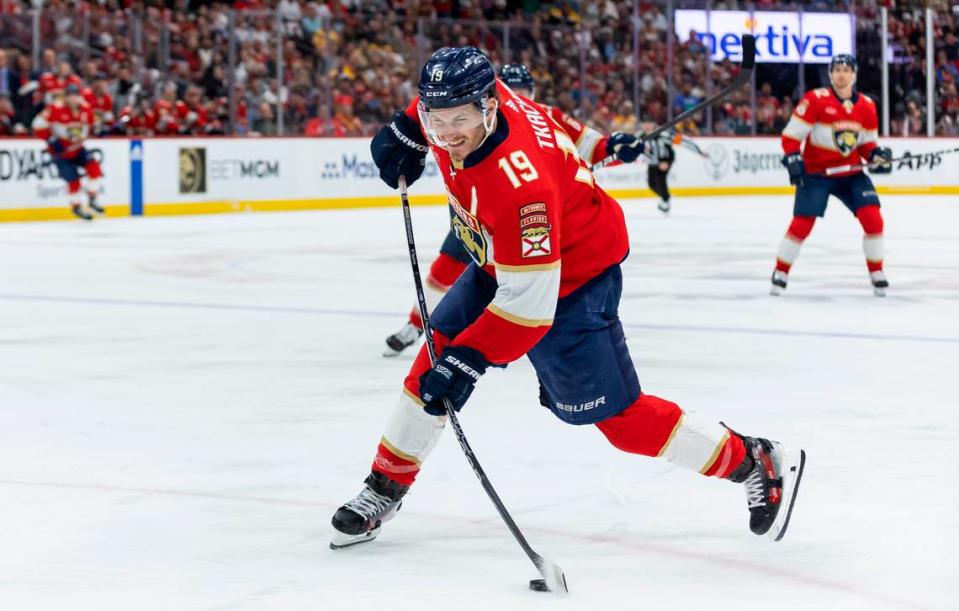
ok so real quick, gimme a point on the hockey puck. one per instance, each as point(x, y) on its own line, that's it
point(538, 585)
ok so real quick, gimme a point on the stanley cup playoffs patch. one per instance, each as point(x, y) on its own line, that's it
point(534, 230)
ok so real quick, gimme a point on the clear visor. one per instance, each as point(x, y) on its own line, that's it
point(446, 125)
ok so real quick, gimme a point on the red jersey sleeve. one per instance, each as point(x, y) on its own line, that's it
point(41, 124)
point(800, 123)
point(590, 144)
point(526, 245)
point(869, 137)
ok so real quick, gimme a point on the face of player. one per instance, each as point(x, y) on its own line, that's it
point(459, 130)
point(74, 100)
point(843, 77)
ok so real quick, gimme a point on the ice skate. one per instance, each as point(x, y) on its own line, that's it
point(879, 283)
point(779, 281)
point(80, 212)
point(771, 474)
point(408, 335)
point(359, 520)
point(664, 206)
point(92, 203)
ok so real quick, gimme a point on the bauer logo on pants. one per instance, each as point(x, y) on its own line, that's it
point(193, 170)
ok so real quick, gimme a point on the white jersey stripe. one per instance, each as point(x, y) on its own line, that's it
point(527, 296)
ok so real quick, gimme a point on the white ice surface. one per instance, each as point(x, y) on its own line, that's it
point(185, 401)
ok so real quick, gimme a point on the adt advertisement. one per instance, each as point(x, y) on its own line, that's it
point(780, 37)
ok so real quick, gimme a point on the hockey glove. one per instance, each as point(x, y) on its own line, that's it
point(625, 147)
point(56, 145)
point(795, 167)
point(399, 149)
point(452, 377)
point(880, 160)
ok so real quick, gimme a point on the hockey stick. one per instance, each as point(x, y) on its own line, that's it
point(745, 74)
point(555, 580)
point(858, 166)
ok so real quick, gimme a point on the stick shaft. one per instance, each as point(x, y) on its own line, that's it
point(537, 560)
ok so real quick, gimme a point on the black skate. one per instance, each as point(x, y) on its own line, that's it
point(879, 283)
point(359, 520)
point(771, 474)
point(79, 212)
point(92, 202)
point(779, 281)
point(402, 339)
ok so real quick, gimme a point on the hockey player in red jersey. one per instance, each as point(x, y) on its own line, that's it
point(546, 245)
point(591, 145)
point(830, 134)
point(65, 125)
point(101, 102)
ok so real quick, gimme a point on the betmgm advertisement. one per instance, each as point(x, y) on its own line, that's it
point(780, 37)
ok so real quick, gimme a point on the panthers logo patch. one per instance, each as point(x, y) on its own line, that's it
point(845, 134)
point(467, 230)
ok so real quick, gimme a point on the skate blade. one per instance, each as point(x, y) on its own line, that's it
point(390, 353)
point(792, 475)
point(342, 540)
point(776, 291)
point(879, 292)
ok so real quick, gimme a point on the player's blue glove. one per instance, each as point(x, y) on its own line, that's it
point(880, 160)
point(452, 377)
point(625, 147)
point(56, 145)
point(399, 149)
point(795, 167)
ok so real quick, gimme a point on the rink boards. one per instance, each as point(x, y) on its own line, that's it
point(164, 176)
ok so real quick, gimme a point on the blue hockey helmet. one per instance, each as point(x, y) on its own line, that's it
point(844, 59)
point(517, 76)
point(454, 76)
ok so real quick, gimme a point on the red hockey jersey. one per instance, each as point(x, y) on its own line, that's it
point(590, 143)
point(835, 132)
point(69, 127)
point(527, 210)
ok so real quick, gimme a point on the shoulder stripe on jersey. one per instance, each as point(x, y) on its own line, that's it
point(519, 320)
point(528, 268)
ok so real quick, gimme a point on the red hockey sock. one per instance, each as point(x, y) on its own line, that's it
point(798, 231)
point(415, 319)
point(93, 170)
point(656, 427)
point(730, 456)
point(872, 244)
point(389, 462)
point(644, 427)
point(444, 271)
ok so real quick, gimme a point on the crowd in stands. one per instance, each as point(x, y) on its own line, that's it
point(341, 67)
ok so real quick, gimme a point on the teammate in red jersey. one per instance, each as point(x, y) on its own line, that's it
point(591, 145)
point(101, 102)
point(65, 125)
point(546, 245)
point(832, 131)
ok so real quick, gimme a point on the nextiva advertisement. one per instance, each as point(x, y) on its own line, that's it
point(780, 37)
